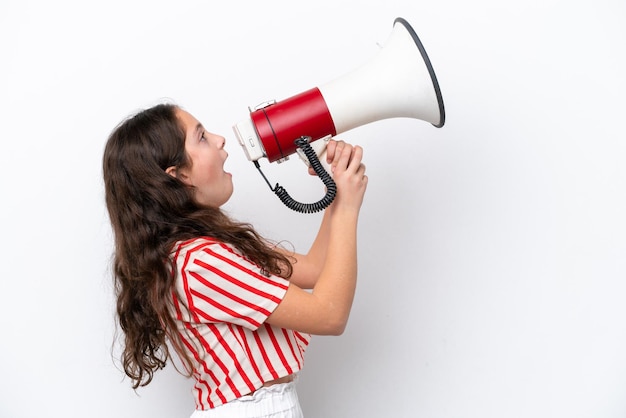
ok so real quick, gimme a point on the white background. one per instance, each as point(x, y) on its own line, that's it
point(492, 251)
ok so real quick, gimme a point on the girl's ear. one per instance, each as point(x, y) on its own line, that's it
point(171, 171)
point(179, 174)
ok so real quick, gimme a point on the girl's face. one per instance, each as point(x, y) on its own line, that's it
point(213, 186)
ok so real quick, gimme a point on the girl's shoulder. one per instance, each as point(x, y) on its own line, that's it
point(201, 247)
point(193, 245)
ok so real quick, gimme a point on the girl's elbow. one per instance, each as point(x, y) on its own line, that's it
point(335, 326)
point(337, 331)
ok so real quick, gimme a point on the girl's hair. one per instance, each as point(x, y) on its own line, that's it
point(149, 212)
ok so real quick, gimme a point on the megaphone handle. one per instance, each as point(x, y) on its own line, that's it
point(319, 147)
point(331, 188)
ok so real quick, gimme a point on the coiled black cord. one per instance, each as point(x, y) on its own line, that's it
point(331, 187)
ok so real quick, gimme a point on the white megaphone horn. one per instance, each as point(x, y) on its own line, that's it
point(398, 82)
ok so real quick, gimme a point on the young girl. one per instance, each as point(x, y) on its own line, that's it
point(230, 303)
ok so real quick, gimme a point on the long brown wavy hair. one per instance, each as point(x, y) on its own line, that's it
point(149, 212)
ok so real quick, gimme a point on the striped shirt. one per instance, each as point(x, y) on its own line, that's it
point(221, 302)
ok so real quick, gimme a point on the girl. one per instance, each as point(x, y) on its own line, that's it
point(230, 304)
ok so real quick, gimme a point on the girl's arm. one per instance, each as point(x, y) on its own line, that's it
point(308, 267)
point(325, 310)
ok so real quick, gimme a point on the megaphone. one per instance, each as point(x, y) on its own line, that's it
point(399, 81)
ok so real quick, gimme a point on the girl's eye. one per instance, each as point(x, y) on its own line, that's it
point(202, 137)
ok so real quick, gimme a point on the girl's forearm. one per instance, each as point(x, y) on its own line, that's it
point(337, 280)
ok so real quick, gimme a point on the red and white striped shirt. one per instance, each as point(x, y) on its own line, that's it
point(221, 301)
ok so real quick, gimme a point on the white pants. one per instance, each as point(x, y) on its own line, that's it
point(276, 401)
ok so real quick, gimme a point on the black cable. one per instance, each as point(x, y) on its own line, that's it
point(331, 187)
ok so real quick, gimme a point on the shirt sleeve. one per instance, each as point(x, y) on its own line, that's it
point(217, 284)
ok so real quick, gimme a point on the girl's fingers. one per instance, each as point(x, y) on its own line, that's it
point(356, 157)
point(338, 150)
point(330, 150)
point(344, 158)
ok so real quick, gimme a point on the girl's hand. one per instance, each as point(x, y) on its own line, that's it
point(348, 172)
point(346, 167)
